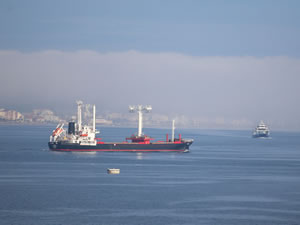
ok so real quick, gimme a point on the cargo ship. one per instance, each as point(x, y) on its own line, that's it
point(82, 138)
point(261, 131)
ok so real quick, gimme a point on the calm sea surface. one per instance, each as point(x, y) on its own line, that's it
point(227, 178)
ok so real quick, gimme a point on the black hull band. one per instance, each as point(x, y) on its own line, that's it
point(121, 147)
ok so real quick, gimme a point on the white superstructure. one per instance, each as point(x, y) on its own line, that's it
point(261, 130)
point(77, 133)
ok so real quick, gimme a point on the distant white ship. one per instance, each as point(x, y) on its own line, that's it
point(261, 130)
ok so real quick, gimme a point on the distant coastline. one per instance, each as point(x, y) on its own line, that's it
point(40, 117)
point(53, 125)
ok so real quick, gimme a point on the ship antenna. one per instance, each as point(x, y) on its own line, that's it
point(140, 109)
point(94, 118)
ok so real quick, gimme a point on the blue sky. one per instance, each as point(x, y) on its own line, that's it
point(232, 61)
point(206, 28)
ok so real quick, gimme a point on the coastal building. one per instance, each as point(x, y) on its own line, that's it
point(44, 116)
point(11, 115)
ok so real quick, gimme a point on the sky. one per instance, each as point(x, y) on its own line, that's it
point(217, 60)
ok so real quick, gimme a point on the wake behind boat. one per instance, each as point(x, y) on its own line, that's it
point(261, 131)
point(80, 138)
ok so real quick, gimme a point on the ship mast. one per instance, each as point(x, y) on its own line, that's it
point(79, 120)
point(173, 130)
point(140, 109)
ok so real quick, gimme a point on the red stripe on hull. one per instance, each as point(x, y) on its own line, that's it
point(117, 150)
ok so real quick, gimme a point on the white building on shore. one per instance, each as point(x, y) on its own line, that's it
point(11, 115)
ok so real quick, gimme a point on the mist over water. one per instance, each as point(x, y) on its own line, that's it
point(227, 178)
point(236, 89)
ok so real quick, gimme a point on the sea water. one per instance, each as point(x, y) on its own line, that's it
point(227, 178)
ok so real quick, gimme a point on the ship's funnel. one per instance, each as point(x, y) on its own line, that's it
point(71, 128)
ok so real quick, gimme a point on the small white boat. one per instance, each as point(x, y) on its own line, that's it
point(113, 171)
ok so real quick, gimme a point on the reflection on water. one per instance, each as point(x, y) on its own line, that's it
point(85, 153)
point(139, 155)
